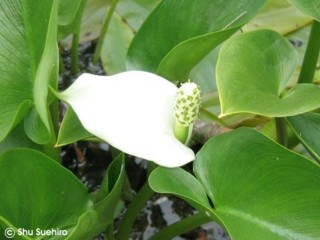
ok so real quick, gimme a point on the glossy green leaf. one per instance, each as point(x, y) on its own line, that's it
point(71, 129)
point(181, 183)
point(106, 201)
point(69, 15)
point(259, 188)
point(174, 38)
point(37, 192)
point(307, 129)
point(176, 65)
point(28, 61)
point(310, 7)
point(253, 70)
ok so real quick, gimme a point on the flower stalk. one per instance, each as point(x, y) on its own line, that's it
point(311, 55)
point(104, 30)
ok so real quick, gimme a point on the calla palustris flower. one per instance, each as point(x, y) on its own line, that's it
point(133, 111)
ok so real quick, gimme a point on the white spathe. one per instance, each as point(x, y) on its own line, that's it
point(132, 111)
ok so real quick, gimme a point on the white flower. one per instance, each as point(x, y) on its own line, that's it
point(133, 111)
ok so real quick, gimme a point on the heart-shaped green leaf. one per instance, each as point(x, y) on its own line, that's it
point(260, 189)
point(307, 129)
point(181, 183)
point(37, 192)
point(253, 70)
point(310, 7)
point(28, 61)
point(45, 195)
point(174, 38)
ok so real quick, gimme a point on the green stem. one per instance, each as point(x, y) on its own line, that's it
point(133, 210)
point(61, 64)
point(104, 30)
point(281, 127)
point(182, 226)
point(74, 53)
point(311, 55)
point(210, 116)
point(109, 232)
